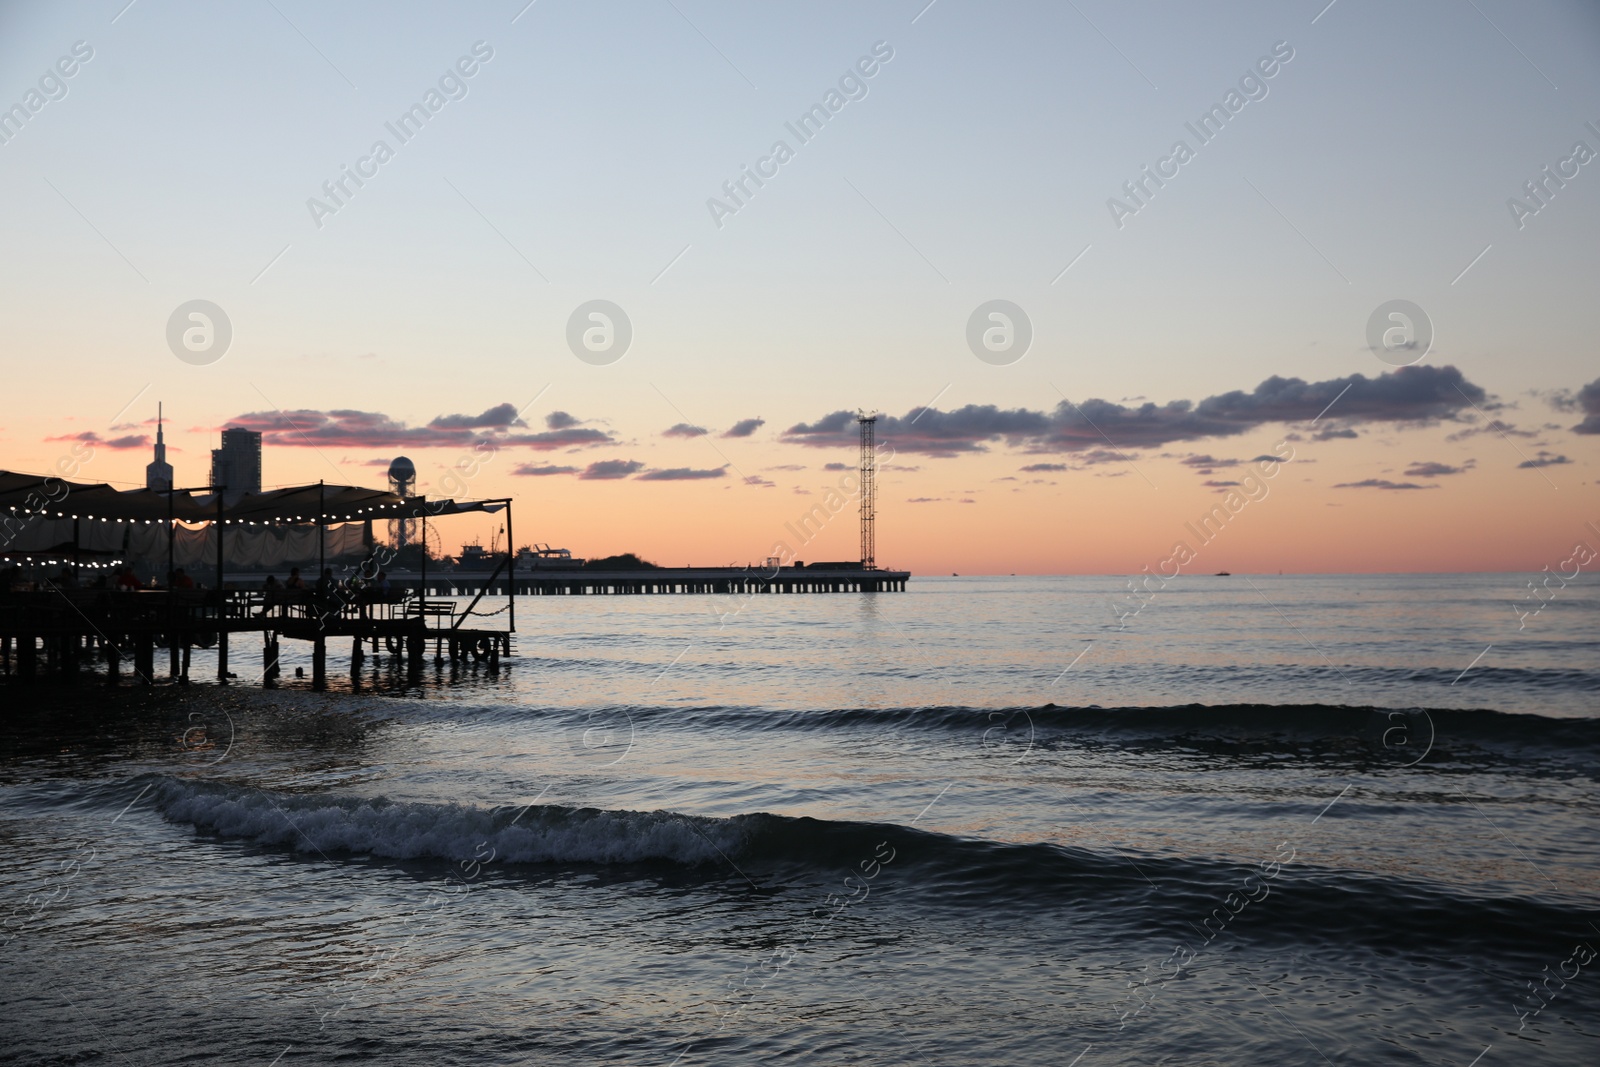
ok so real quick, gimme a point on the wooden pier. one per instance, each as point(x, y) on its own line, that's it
point(62, 630)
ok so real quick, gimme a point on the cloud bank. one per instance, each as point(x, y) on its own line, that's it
point(349, 428)
point(1417, 394)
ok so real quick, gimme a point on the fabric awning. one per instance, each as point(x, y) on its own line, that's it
point(33, 494)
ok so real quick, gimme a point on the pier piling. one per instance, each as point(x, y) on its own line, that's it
point(319, 662)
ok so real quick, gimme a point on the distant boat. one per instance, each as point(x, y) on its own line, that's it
point(1222, 574)
point(543, 557)
point(475, 558)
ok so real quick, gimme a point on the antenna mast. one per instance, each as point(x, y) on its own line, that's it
point(869, 488)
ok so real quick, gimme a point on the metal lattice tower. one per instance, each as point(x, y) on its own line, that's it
point(869, 488)
point(403, 483)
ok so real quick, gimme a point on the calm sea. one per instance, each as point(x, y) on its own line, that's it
point(1241, 820)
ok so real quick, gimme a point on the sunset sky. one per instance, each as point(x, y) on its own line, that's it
point(1179, 332)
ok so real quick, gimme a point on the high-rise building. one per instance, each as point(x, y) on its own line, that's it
point(237, 464)
point(158, 472)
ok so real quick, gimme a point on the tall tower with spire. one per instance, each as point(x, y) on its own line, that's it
point(158, 473)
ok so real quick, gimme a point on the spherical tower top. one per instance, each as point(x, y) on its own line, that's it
point(402, 476)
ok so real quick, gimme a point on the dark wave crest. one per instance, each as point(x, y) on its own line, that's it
point(1192, 901)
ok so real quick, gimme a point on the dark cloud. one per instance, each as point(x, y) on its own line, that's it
point(1431, 469)
point(924, 500)
point(1543, 459)
point(1589, 401)
point(1213, 483)
point(1416, 394)
point(787, 467)
point(1203, 460)
point(745, 427)
point(550, 440)
point(838, 467)
point(927, 430)
point(348, 428)
point(1382, 483)
point(497, 418)
point(1409, 394)
point(305, 428)
point(682, 474)
point(1268, 459)
point(607, 469)
point(541, 469)
point(1504, 429)
point(116, 444)
point(684, 429)
point(1037, 468)
point(1330, 433)
point(1559, 399)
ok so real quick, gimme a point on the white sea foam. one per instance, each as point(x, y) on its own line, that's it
point(377, 827)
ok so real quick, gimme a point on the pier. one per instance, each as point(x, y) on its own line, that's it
point(89, 530)
point(58, 626)
point(64, 630)
point(663, 581)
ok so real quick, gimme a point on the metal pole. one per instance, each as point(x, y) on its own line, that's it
point(511, 568)
point(171, 531)
point(322, 526)
point(220, 491)
point(422, 593)
point(222, 604)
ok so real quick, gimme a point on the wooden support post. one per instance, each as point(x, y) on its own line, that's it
point(222, 657)
point(319, 662)
point(113, 663)
point(144, 657)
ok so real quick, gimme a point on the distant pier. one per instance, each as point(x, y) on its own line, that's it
point(661, 581)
